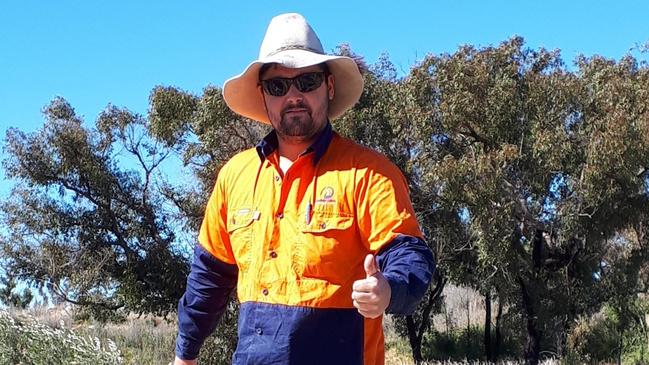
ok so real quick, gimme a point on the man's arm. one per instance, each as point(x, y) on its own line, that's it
point(209, 286)
point(396, 279)
point(408, 265)
point(404, 265)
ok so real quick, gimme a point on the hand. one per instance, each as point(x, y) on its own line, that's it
point(185, 362)
point(371, 296)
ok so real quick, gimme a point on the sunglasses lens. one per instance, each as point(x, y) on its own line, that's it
point(276, 86)
point(309, 81)
point(304, 83)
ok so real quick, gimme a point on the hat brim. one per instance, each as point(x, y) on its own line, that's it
point(243, 95)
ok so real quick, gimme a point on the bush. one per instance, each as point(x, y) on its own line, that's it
point(457, 344)
point(462, 344)
point(25, 341)
point(594, 339)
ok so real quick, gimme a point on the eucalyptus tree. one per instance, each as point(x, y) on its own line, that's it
point(548, 166)
point(82, 224)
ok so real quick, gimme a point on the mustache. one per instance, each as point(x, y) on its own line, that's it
point(298, 105)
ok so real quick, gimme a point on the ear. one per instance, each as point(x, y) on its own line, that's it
point(330, 86)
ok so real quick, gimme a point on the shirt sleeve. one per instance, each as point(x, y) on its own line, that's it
point(211, 280)
point(390, 230)
point(209, 286)
point(408, 265)
point(383, 207)
point(213, 235)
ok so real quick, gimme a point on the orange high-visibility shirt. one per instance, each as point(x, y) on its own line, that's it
point(299, 239)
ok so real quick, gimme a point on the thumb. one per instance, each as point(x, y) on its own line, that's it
point(370, 265)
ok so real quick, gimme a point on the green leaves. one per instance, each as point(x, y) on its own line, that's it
point(82, 224)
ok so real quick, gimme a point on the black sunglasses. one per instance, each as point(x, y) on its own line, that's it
point(306, 82)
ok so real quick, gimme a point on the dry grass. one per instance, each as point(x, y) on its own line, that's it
point(150, 341)
point(26, 340)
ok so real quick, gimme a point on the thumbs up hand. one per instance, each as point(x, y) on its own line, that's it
point(371, 296)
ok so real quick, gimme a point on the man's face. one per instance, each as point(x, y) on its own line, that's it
point(298, 116)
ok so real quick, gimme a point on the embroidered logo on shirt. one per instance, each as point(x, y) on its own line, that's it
point(327, 196)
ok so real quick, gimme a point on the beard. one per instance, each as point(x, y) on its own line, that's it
point(300, 126)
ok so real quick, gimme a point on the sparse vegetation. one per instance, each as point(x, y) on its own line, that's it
point(52, 337)
point(24, 340)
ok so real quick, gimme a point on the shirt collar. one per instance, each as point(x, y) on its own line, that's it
point(269, 144)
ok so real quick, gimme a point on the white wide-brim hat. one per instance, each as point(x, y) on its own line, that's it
point(291, 42)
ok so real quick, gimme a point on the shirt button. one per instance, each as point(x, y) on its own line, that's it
point(280, 215)
point(323, 225)
point(265, 291)
point(273, 254)
point(259, 331)
point(277, 178)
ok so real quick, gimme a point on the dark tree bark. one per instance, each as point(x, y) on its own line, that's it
point(416, 334)
point(413, 338)
point(487, 327)
point(533, 345)
point(499, 315)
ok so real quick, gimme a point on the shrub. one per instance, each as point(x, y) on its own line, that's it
point(461, 344)
point(457, 344)
point(25, 341)
point(594, 339)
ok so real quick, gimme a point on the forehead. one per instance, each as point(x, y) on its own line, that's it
point(276, 70)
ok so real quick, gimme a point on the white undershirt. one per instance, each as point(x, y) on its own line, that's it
point(284, 164)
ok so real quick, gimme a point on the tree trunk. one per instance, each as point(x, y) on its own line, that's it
point(487, 327)
point(416, 335)
point(619, 347)
point(468, 323)
point(533, 345)
point(413, 338)
point(499, 315)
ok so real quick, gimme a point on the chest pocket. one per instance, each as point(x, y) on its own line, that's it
point(328, 246)
point(240, 230)
point(328, 223)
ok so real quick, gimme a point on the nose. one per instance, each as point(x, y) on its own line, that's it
point(294, 93)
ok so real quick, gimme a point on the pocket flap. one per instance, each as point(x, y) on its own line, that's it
point(240, 218)
point(327, 222)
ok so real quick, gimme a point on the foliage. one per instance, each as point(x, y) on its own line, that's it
point(530, 182)
point(145, 341)
point(85, 228)
point(605, 337)
point(595, 339)
point(537, 174)
point(9, 295)
point(456, 345)
point(25, 341)
point(206, 134)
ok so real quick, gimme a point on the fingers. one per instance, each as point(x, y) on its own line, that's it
point(369, 298)
point(368, 305)
point(366, 285)
point(362, 297)
point(369, 313)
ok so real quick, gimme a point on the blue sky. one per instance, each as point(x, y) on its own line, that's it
point(97, 52)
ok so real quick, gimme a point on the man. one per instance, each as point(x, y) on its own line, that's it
point(317, 233)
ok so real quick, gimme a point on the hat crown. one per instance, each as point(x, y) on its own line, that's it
point(288, 32)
